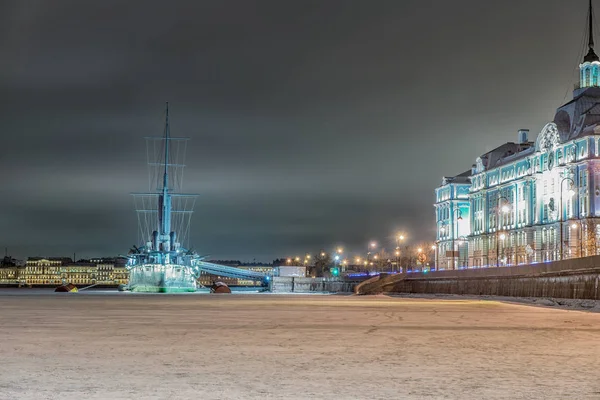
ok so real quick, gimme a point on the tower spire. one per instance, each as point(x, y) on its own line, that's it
point(591, 55)
point(591, 30)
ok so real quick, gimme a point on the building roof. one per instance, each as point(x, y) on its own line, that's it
point(505, 153)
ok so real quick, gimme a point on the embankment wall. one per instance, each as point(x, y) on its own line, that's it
point(310, 285)
point(571, 279)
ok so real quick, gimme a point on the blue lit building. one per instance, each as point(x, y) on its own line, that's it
point(530, 201)
point(453, 223)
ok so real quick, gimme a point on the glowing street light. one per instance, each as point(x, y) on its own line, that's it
point(399, 239)
point(420, 250)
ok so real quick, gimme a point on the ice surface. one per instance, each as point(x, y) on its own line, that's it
point(141, 346)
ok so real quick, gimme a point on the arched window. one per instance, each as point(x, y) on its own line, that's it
point(587, 81)
point(594, 76)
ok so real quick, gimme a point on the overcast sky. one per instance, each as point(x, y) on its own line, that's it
point(313, 123)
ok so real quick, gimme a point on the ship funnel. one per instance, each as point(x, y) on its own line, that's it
point(173, 237)
point(155, 240)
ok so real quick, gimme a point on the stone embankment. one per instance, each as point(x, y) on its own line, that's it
point(568, 279)
point(311, 285)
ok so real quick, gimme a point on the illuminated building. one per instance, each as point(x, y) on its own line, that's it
point(50, 271)
point(452, 211)
point(531, 202)
point(43, 271)
point(8, 274)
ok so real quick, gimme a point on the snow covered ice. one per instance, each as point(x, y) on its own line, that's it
point(261, 346)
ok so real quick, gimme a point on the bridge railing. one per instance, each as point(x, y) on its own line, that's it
point(231, 272)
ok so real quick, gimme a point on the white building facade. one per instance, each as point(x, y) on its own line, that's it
point(528, 202)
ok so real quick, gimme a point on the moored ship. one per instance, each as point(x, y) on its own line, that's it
point(162, 264)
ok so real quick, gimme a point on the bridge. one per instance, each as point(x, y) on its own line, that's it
point(233, 272)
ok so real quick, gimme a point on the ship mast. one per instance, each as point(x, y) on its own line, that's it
point(166, 197)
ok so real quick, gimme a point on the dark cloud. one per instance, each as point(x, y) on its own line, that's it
point(313, 123)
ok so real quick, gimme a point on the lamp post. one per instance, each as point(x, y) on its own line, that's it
point(339, 252)
point(454, 234)
point(442, 236)
point(463, 241)
point(372, 245)
point(574, 226)
point(505, 209)
point(399, 239)
point(501, 237)
point(561, 217)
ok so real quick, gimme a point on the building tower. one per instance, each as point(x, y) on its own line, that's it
point(588, 70)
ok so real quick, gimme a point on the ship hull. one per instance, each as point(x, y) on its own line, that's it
point(157, 278)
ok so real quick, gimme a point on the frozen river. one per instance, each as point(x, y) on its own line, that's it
point(264, 346)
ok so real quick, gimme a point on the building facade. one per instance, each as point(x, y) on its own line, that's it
point(452, 209)
point(530, 201)
point(57, 271)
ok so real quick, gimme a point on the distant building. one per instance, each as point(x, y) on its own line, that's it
point(55, 271)
point(530, 201)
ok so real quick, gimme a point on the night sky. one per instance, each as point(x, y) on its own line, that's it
point(313, 123)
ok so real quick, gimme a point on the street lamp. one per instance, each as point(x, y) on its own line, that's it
point(371, 245)
point(571, 193)
point(462, 241)
point(454, 234)
point(574, 226)
point(502, 237)
point(399, 239)
point(505, 209)
point(419, 252)
point(306, 259)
